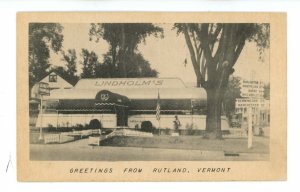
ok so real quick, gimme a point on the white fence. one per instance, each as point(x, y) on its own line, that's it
point(68, 136)
point(69, 120)
point(129, 133)
point(57, 138)
point(196, 122)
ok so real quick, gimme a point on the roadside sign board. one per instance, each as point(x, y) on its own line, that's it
point(253, 92)
point(249, 102)
point(44, 88)
point(253, 88)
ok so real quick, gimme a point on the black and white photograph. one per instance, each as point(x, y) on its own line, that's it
point(149, 91)
point(120, 91)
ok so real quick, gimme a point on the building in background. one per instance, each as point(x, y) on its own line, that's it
point(54, 81)
point(260, 112)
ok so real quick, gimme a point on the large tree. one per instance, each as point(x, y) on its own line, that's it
point(42, 38)
point(214, 50)
point(123, 40)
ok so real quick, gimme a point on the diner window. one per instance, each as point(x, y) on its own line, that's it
point(52, 78)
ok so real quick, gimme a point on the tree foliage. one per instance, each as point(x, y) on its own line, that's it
point(90, 62)
point(71, 60)
point(42, 38)
point(139, 67)
point(123, 40)
point(214, 49)
point(232, 92)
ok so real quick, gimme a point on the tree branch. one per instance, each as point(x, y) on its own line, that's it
point(203, 36)
point(190, 45)
point(199, 59)
point(213, 39)
point(203, 66)
point(238, 51)
point(195, 45)
point(192, 53)
point(216, 34)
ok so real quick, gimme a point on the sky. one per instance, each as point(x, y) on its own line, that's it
point(166, 55)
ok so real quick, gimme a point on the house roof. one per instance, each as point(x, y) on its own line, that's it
point(57, 73)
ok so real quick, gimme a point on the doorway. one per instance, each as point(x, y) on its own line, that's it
point(122, 115)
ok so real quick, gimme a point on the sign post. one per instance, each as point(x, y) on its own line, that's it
point(41, 125)
point(43, 90)
point(250, 132)
point(252, 91)
point(158, 111)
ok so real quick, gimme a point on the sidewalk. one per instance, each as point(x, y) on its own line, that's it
point(236, 145)
point(186, 148)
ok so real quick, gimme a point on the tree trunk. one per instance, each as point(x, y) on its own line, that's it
point(198, 81)
point(122, 53)
point(215, 93)
point(213, 119)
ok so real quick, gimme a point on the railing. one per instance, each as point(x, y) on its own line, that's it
point(68, 136)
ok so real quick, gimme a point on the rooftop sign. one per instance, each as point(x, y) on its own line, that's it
point(130, 83)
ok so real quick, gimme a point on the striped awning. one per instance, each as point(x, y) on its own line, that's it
point(103, 100)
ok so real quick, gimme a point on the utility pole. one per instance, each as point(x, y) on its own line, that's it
point(43, 90)
point(41, 114)
point(250, 133)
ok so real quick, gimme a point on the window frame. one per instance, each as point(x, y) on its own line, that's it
point(53, 78)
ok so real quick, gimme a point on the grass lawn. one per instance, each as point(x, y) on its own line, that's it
point(260, 144)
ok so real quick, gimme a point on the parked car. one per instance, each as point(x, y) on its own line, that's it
point(235, 123)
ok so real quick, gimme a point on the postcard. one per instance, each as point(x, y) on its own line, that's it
point(139, 96)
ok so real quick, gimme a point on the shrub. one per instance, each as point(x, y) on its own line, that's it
point(168, 131)
point(146, 126)
point(189, 129)
point(95, 124)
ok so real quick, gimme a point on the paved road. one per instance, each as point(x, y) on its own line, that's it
point(81, 151)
